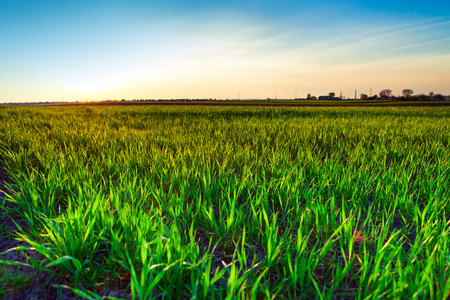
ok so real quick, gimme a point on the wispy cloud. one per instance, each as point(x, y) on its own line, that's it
point(163, 52)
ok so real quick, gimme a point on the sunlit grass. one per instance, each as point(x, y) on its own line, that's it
point(227, 202)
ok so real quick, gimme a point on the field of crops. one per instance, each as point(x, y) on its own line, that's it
point(235, 202)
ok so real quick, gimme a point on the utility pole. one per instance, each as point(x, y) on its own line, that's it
point(355, 94)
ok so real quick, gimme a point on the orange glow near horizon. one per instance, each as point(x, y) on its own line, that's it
point(226, 56)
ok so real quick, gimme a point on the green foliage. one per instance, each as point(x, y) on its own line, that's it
point(236, 202)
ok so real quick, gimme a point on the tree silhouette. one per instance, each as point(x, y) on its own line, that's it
point(407, 93)
point(385, 93)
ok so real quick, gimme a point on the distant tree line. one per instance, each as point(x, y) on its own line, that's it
point(407, 94)
point(386, 94)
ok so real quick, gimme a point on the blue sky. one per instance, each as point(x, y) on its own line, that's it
point(94, 50)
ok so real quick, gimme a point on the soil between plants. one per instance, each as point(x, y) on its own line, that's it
point(28, 283)
point(35, 284)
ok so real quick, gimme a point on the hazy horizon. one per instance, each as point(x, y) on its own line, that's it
point(97, 50)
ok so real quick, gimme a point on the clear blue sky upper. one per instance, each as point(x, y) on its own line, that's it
point(72, 50)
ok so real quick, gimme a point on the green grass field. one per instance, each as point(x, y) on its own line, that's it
point(196, 202)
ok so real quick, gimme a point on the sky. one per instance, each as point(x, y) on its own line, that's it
point(99, 50)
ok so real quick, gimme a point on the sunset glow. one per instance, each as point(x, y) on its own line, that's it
point(96, 50)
